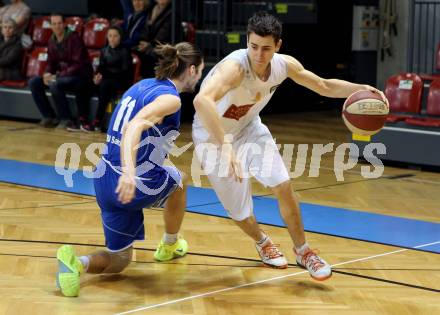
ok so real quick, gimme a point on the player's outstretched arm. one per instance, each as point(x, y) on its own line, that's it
point(162, 106)
point(226, 77)
point(325, 87)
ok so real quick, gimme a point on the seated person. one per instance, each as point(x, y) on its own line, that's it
point(68, 69)
point(11, 52)
point(114, 73)
point(19, 12)
point(134, 20)
point(157, 29)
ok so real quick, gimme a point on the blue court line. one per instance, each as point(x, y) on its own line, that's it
point(378, 228)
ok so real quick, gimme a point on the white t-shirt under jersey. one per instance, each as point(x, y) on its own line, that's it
point(241, 106)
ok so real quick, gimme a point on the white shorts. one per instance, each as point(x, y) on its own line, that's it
point(259, 157)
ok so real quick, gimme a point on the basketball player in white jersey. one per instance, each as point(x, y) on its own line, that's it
point(227, 116)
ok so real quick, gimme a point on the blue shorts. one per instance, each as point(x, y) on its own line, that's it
point(124, 223)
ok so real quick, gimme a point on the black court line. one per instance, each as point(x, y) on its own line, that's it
point(273, 225)
point(49, 191)
point(260, 265)
point(151, 249)
point(387, 281)
point(351, 182)
point(136, 248)
point(314, 232)
point(67, 134)
point(338, 271)
point(388, 269)
point(21, 128)
point(51, 206)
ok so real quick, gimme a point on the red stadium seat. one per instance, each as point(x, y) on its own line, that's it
point(75, 23)
point(432, 108)
point(35, 64)
point(95, 33)
point(17, 83)
point(404, 92)
point(41, 31)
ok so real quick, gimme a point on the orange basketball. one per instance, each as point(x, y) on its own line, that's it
point(364, 112)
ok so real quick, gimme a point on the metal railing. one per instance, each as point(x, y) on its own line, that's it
point(221, 24)
point(424, 35)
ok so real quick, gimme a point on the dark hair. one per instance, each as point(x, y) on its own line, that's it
point(117, 29)
point(57, 14)
point(174, 59)
point(264, 24)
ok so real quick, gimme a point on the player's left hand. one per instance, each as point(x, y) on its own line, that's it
point(374, 90)
point(126, 188)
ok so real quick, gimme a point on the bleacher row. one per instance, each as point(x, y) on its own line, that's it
point(407, 104)
point(93, 33)
point(34, 61)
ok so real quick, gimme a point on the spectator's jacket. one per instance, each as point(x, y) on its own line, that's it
point(11, 58)
point(116, 63)
point(68, 58)
point(132, 27)
point(160, 31)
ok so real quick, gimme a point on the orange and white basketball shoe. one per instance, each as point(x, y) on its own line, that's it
point(318, 268)
point(271, 255)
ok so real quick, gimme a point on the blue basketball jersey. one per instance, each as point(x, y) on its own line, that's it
point(155, 141)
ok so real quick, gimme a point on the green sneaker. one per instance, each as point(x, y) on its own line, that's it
point(69, 269)
point(166, 252)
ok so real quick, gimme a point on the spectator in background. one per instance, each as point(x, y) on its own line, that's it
point(19, 12)
point(114, 73)
point(134, 20)
point(11, 52)
point(68, 69)
point(157, 29)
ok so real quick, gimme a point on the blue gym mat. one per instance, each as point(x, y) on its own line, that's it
point(346, 223)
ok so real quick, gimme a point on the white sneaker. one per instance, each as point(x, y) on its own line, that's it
point(271, 255)
point(318, 268)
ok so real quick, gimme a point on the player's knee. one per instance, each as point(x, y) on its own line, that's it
point(239, 216)
point(283, 188)
point(185, 179)
point(119, 261)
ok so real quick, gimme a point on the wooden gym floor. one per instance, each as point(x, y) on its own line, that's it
point(222, 273)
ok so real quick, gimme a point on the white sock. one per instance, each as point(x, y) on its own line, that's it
point(263, 240)
point(85, 261)
point(302, 249)
point(169, 238)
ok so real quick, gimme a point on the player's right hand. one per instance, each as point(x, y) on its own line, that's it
point(126, 188)
point(235, 169)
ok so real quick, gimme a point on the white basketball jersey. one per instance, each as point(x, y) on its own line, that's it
point(241, 106)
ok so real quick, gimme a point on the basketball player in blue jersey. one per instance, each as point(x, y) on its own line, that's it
point(229, 102)
point(141, 131)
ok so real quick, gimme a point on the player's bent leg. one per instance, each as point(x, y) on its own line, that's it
point(290, 211)
point(172, 245)
point(70, 267)
point(318, 268)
